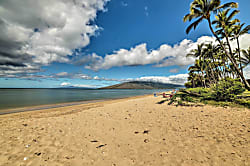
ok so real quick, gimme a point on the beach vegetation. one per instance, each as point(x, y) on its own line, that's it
point(217, 75)
point(216, 61)
point(227, 90)
point(232, 93)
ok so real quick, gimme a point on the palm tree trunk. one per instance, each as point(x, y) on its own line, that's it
point(212, 72)
point(230, 58)
point(203, 80)
point(216, 68)
point(238, 44)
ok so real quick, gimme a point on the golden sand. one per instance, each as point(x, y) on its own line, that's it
point(133, 131)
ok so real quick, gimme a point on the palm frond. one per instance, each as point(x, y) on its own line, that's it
point(225, 12)
point(215, 22)
point(227, 5)
point(233, 22)
point(196, 11)
point(186, 17)
point(233, 14)
point(245, 30)
point(194, 25)
point(214, 4)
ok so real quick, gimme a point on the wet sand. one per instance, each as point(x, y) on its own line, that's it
point(132, 131)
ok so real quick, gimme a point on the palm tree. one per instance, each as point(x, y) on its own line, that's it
point(210, 54)
point(225, 26)
point(201, 9)
point(194, 75)
point(199, 64)
point(246, 58)
point(237, 32)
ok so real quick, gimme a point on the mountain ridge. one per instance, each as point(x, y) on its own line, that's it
point(143, 85)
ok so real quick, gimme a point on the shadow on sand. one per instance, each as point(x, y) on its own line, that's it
point(163, 101)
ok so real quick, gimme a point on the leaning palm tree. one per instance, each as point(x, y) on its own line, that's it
point(225, 25)
point(238, 30)
point(202, 9)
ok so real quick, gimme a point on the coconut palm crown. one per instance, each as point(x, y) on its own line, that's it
point(201, 9)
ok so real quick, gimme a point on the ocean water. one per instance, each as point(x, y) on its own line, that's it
point(16, 98)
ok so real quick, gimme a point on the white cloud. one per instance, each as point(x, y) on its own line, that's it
point(166, 55)
point(179, 79)
point(84, 86)
point(173, 79)
point(71, 76)
point(247, 72)
point(36, 33)
point(244, 42)
point(65, 84)
point(134, 56)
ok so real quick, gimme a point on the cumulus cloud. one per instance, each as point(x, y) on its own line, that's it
point(244, 42)
point(173, 79)
point(179, 79)
point(36, 33)
point(165, 55)
point(65, 84)
point(58, 76)
point(247, 72)
point(84, 86)
point(71, 75)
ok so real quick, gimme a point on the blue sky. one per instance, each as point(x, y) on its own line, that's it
point(95, 43)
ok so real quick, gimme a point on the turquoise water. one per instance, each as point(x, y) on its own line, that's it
point(16, 98)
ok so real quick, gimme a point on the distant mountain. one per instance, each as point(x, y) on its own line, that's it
point(143, 85)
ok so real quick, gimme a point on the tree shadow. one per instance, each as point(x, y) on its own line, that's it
point(163, 101)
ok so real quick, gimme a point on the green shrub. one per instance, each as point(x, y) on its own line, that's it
point(180, 103)
point(199, 90)
point(227, 89)
point(244, 102)
point(188, 85)
point(187, 98)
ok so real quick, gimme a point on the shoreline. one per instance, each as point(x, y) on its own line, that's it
point(60, 105)
point(128, 131)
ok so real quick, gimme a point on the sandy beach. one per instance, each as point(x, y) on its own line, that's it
point(132, 131)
